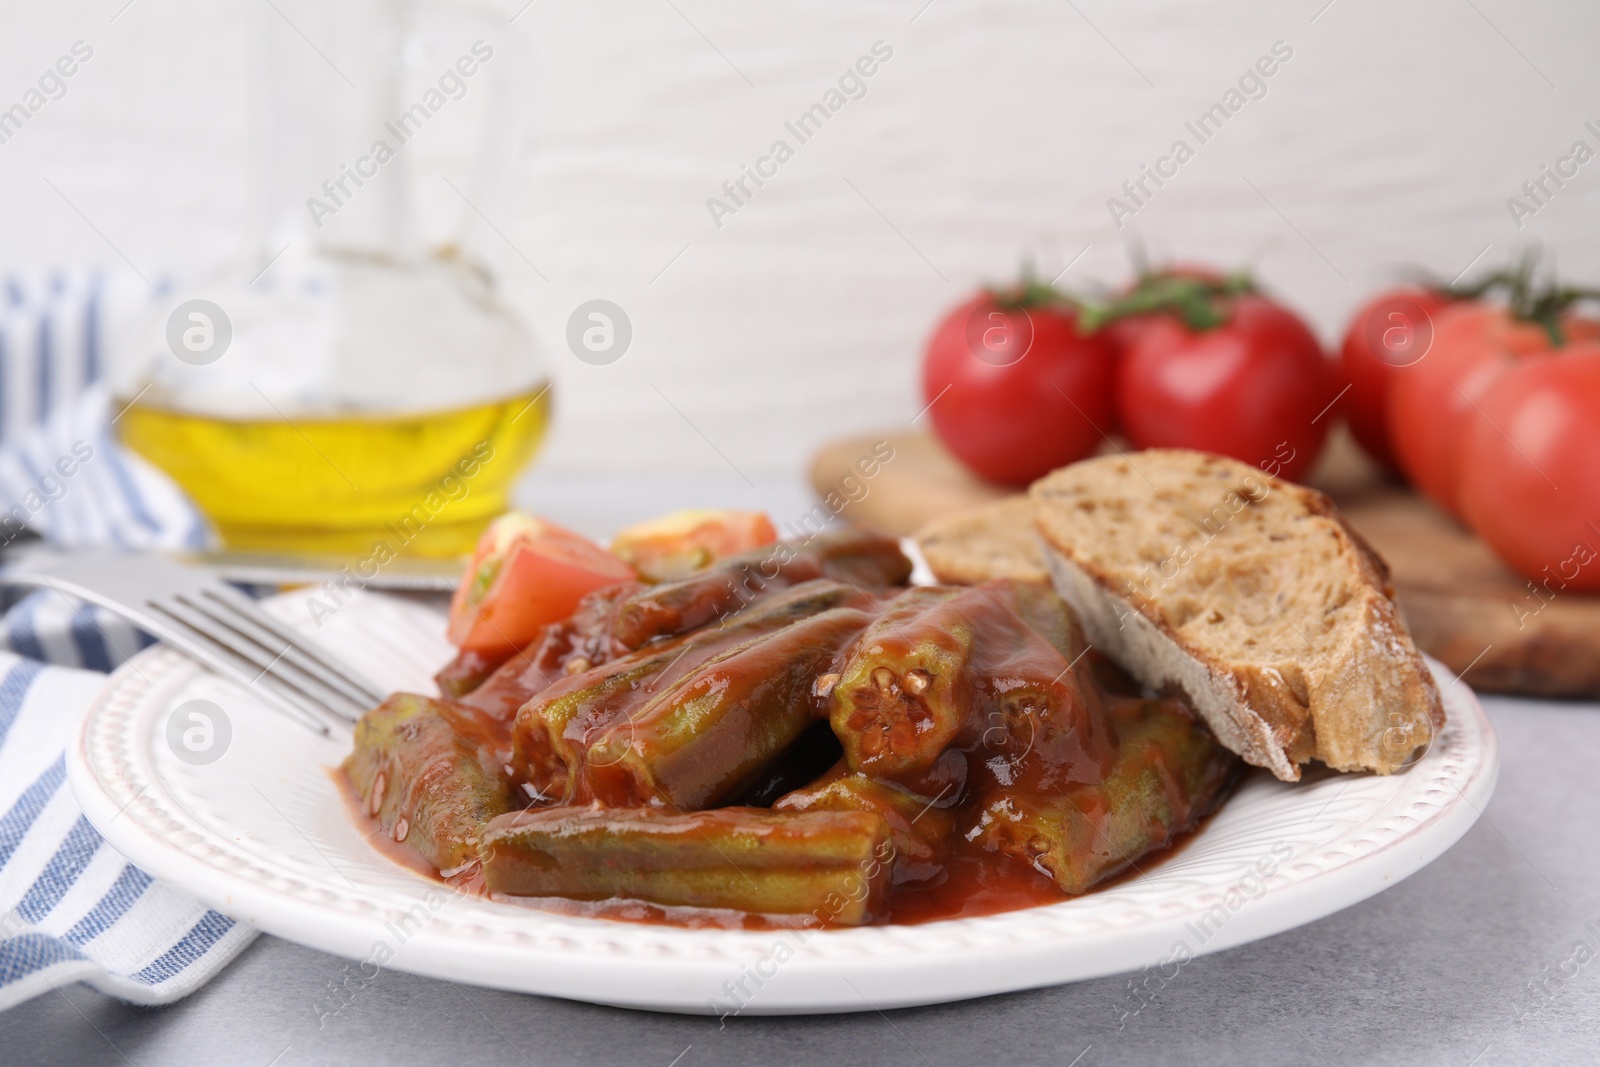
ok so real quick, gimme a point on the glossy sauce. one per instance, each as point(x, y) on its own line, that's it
point(1070, 742)
point(986, 884)
point(974, 886)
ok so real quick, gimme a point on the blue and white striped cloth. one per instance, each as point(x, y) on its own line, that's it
point(52, 345)
point(71, 908)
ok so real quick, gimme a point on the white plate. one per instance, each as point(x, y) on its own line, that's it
point(261, 834)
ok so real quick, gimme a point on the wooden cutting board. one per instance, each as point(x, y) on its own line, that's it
point(1462, 605)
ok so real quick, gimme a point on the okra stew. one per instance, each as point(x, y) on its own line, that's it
point(790, 735)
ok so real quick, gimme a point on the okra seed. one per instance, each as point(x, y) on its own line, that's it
point(917, 681)
point(375, 801)
point(401, 828)
point(903, 736)
point(577, 665)
point(883, 677)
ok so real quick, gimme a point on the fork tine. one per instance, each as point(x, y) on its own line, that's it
point(203, 650)
point(251, 611)
point(276, 648)
point(201, 643)
point(264, 659)
point(215, 624)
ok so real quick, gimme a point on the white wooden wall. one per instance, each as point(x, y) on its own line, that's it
point(1394, 135)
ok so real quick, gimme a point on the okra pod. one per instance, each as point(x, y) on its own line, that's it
point(854, 557)
point(467, 672)
point(431, 774)
point(831, 865)
point(618, 619)
point(901, 691)
point(698, 742)
point(1168, 772)
point(919, 826)
point(1042, 608)
point(555, 729)
point(860, 557)
point(958, 669)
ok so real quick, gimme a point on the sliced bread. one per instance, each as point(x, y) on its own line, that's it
point(994, 540)
point(1250, 595)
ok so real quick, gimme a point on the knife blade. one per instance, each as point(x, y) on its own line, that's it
point(288, 568)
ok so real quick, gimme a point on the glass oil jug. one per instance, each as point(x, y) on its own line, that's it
point(341, 388)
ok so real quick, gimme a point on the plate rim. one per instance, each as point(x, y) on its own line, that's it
point(1011, 955)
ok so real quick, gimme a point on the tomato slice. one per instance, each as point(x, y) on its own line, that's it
point(526, 573)
point(682, 542)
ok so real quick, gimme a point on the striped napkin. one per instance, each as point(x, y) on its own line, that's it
point(71, 908)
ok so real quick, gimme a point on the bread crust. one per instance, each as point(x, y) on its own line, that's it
point(1361, 699)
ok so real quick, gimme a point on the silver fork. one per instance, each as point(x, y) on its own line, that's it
point(214, 623)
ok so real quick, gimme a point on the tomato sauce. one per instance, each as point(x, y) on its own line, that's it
point(1015, 773)
point(974, 884)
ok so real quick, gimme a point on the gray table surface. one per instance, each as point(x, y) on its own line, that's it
point(1434, 971)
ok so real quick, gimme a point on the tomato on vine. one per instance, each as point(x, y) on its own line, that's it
point(1432, 404)
point(1014, 388)
point(1530, 485)
point(1216, 366)
point(1389, 333)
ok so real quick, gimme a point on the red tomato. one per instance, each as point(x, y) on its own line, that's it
point(678, 544)
point(1125, 331)
point(1389, 333)
point(1530, 485)
point(1431, 403)
point(1016, 392)
point(1255, 388)
point(526, 574)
